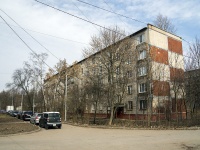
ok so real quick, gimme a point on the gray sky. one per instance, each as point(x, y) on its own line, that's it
point(65, 36)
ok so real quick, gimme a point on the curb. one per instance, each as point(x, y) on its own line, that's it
point(129, 128)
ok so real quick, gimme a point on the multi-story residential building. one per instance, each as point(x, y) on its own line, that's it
point(154, 76)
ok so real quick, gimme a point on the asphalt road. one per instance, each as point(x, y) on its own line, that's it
point(80, 138)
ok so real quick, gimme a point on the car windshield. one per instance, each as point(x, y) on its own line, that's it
point(39, 115)
point(54, 115)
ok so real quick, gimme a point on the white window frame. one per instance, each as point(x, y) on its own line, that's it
point(129, 60)
point(117, 56)
point(142, 54)
point(142, 88)
point(142, 71)
point(140, 38)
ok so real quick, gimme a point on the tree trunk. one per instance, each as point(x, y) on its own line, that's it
point(111, 115)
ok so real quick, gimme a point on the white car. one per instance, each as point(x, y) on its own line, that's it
point(35, 118)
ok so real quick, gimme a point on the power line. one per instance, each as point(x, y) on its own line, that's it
point(95, 23)
point(113, 12)
point(83, 14)
point(79, 18)
point(49, 35)
point(24, 42)
point(30, 35)
point(121, 15)
point(117, 15)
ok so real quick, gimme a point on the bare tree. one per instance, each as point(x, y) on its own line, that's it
point(22, 79)
point(111, 56)
point(38, 67)
point(192, 81)
point(55, 86)
point(164, 23)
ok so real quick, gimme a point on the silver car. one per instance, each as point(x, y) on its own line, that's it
point(35, 118)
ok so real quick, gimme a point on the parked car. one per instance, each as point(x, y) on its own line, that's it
point(19, 115)
point(26, 115)
point(35, 118)
point(2, 111)
point(9, 112)
point(14, 113)
point(50, 119)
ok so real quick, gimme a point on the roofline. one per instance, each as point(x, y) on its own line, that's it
point(163, 30)
point(135, 33)
point(131, 35)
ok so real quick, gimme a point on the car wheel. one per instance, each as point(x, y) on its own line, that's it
point(46, 127)
point(59, 127)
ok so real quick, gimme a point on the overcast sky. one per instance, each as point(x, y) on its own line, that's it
point(65, 36)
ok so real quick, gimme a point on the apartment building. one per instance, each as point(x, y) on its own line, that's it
point(154, 76)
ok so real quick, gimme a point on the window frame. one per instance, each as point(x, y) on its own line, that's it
point(142, 54)
point(130, 89)
point(117, 56)
point(142, 88)
point(142, 71)
point(129, 73)
point(140, 38)
point(130, 105)
point(143, 104)
point(118, 70)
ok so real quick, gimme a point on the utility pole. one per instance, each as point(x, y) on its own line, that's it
point(66, 98)
point(12, 98)
point(22, 101)
point(34, 96)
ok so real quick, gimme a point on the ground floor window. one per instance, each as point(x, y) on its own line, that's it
point(130, 105)
point(143, 104)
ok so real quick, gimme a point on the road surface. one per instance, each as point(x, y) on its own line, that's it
point(81, 138)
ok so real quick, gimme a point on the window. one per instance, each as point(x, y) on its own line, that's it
point(100, 70)
point(140, 38)
point(92, 107)
point(100, 107)
point(45, 115)
point(143, 104)
point(142, 88)
point(142, 71)
point(142, 54)
point(94, 71)
point(118, 98)
point(129, 60)
point(129, 89)
point(117, 56)
point(54, 115)
point(130, 105)
point(129, 73)
point(118, 70)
